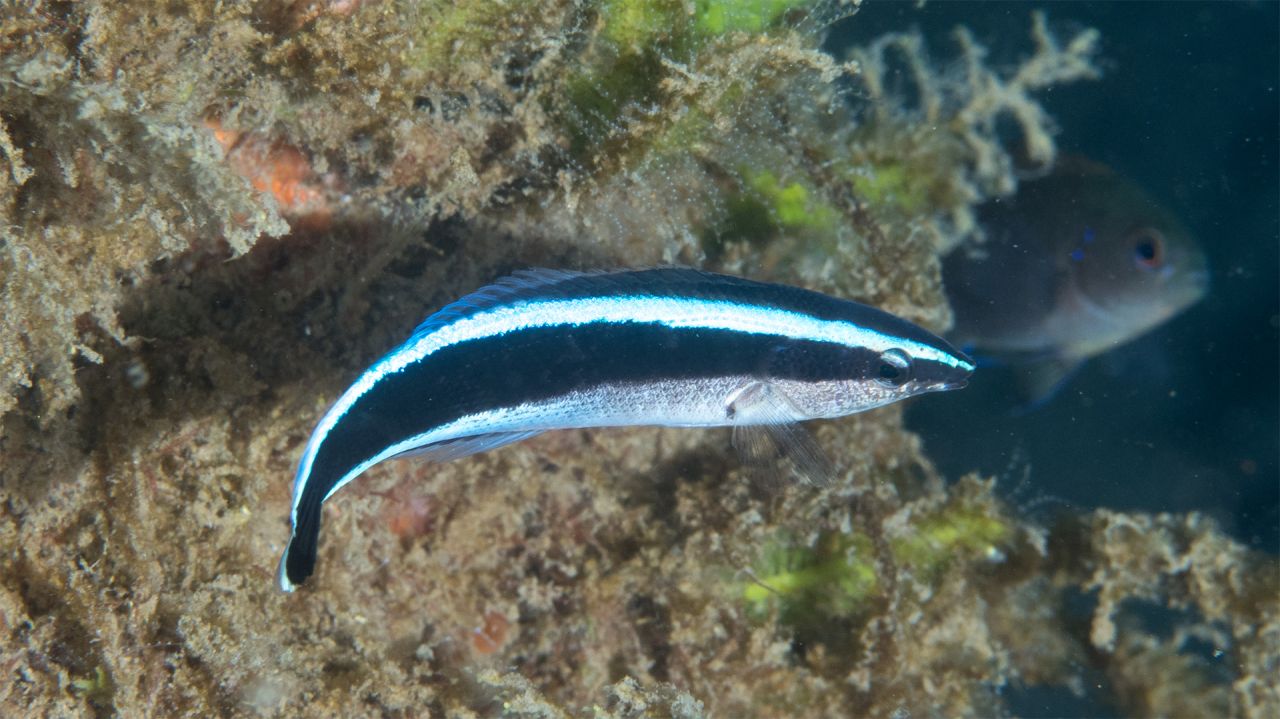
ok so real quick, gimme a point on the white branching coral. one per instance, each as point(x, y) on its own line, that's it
point(964, 101)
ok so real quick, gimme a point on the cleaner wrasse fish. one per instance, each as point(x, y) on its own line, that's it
point(551, 349)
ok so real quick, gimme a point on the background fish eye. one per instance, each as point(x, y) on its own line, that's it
point(894, 369)
point(1148, 249)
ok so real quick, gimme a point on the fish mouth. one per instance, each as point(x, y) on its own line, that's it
point(1199, 280)
point(966, 363)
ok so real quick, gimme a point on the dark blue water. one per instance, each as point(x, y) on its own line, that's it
point(1184, 418)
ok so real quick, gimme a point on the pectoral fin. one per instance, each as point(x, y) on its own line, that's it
point(770, 442)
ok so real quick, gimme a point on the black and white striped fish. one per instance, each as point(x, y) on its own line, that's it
point(549, 349)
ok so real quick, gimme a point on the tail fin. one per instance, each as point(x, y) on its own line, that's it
point(299, 560)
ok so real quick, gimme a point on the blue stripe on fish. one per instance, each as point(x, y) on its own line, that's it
point(554, 350)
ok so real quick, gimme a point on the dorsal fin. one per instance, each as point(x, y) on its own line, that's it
point(534, 282)
point(543, 283)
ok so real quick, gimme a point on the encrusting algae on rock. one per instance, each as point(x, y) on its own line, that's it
point(179, 324)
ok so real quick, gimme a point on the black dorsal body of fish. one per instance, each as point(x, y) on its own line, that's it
point(550, 349)
point(1075, 264)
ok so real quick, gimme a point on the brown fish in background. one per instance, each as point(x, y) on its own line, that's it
point(1076, 264)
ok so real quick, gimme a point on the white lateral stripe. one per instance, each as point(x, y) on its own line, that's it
point(674, 312)
point(470, 424)
point(682, 403)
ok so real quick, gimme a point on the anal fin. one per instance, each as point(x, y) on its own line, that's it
point(451, 449)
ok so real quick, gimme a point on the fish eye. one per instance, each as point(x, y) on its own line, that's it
point(1148, 249)
point(894, 369)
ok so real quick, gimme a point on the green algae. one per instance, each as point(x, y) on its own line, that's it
point(718, 16)
point(951, 534)
point(835, 578)
point(95, 688)
point(892, 185)
point(839, 576)
point(451, 34)
point(643, 26)
point(792, 204)
point(765, 209)
point(599, 99)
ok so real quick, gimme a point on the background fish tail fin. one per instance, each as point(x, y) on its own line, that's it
point(1040, 381)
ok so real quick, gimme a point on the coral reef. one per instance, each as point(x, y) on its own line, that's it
point(104, 175)
point(215, 215)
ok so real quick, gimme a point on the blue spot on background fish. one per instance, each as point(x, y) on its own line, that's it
point(1045, 295)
